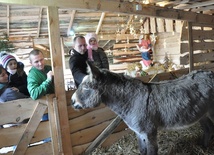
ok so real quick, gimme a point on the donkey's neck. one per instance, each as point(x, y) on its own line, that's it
point(120, 95)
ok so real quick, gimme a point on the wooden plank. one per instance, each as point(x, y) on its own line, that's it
point(73, 13)
point(200, 35)
point(39, 21)
point(197, 46)
point(119, 46)
point(54, 125)
point(91, 119)
point(125, 7)
point(147, 26)
point(30, 129)
point(87, 135)
point(126, 53)
point(128, 59)
point(56, 54)
point(160, 25)
point(100, 22)
point(169, 25)
point(19, 110)
point(200, 57)
point(190, 40)
point(178, 26)
point(104, 134)
point(12, 135)
point(153, 25)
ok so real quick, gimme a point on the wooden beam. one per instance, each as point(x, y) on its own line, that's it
point(8, 20)
point(123, 31)
point(118, 7)
point(106, 43)
point(71, 21)
point(39, 21)
point(56, 55)
point(191, 61)
point(100, 22)
point(30, 129)
point(201, 4)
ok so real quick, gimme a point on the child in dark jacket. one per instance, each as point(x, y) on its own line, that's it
point(16, 74)
point(8, 93)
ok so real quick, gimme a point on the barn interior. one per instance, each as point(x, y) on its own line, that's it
point(181, 31)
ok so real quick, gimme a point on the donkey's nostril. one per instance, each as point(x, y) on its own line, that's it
point(77, 107)
point(72, 102)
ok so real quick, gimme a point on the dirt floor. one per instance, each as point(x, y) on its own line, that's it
point(181, 142)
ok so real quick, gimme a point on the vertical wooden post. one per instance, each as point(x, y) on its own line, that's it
point(56, 56)
point(190, 38)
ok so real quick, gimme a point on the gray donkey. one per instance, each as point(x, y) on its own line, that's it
point(148, 107)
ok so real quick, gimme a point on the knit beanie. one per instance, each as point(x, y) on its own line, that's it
point(5, 58)
point(88, 36)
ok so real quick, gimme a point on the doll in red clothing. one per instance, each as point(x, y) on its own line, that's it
point(145, 47)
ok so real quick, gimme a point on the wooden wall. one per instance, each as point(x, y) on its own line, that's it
point(203, 43)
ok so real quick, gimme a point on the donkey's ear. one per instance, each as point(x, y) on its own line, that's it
point(93, 71)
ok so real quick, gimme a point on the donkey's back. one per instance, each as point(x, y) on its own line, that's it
point(183, 101)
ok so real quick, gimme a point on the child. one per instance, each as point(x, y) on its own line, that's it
point(95, 53)
point(8, 93)
point(16, 74)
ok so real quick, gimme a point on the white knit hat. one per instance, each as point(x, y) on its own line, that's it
point(88, 36)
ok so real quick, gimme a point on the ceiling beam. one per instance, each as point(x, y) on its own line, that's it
point(201, 4)
point(39, 22)
point(121, 7)
point(71, 22)
point(8, 20)
point(123, 31)
point(100, 22)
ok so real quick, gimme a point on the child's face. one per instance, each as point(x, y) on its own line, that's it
point(12, 64)
point(3, 77)
point(92, 41)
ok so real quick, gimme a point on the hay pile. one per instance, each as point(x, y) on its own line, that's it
point(181, 142)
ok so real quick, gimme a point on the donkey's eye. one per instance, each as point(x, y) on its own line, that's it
point(85, 87)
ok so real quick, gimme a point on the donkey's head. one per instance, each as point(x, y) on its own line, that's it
point(88, 94)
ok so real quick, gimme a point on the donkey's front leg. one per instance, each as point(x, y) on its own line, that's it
point(148, 143)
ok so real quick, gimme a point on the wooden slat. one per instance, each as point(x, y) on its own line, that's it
point(160, 25)
point(200, 57)
point(30, 129)
point(90, 119)
point(190, 48)
point(119, 46)
point(100, 22)
point(197, 46)
point(199, 35)
point(54, 125)
point(153, 25)
point(169, 25)
point(18, 112)
point(178, 26)
point(105, 133)
point(128, 59)
point(56, 55)
point(126, 53)
point(73, 13)
point(12, 135)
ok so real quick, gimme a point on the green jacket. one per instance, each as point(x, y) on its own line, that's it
point(38, 84)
